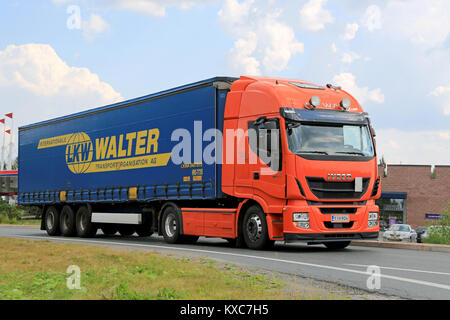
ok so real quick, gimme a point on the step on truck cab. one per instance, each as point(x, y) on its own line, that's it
point(252, 160)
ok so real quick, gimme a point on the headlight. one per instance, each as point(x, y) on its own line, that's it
point(301, 217)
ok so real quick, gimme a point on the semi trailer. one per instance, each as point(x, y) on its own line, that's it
point(252, 160)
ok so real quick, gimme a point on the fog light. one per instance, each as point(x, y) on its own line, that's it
point(372, 224)
point(303, 217)
point(303, 225)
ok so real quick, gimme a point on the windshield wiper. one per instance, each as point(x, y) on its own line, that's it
point(348, 152)
point(318, 152)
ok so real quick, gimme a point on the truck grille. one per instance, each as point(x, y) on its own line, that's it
point(323, 189)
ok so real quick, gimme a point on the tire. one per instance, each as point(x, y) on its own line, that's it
point(170, 225)
point(189, 239)
point(109, 229)
point(254, 229)
point(337, 245)
point(51, 221)
point(67, 222)
point(145, 229)
point(85, 228)
point(127, 230)
point(236, 243)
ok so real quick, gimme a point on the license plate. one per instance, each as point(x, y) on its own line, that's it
point(340, 219)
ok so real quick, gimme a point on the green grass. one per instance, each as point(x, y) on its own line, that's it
point(37, 270)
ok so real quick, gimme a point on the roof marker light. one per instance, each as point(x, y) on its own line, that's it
point(314, 102)
point(346, 103)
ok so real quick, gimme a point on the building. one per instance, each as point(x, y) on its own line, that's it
point(412, 194)
point(8, 185)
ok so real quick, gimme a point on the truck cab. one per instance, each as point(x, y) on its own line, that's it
point(315, 174)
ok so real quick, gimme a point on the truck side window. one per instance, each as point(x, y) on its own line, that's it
point(265, 141)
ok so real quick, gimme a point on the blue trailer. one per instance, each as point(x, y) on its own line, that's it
point(117, 158)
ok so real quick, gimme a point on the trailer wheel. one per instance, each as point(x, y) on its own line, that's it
point(85, 228)
point(67, 221)
point(337, 245)
point(254, 228)
point(51, 221)
point(144, 230)
point(126, 230)
point(171, 225)
point(109, 229)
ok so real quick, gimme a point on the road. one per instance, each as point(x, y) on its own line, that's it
point(404, 273)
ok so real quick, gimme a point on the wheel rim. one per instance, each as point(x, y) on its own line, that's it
point(254, 228)
point(50, 220)
point(83, 221)
point(170, 225)
point(65, 220)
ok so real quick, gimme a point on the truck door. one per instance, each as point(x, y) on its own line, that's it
point(268, 174)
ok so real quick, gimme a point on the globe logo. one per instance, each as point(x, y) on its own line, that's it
point(79, 152)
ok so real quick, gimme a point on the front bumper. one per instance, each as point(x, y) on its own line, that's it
point(329, 237)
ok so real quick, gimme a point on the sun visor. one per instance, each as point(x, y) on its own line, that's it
point(324, 116)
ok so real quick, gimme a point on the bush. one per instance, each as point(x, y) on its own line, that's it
point(441, 233)
point(8, 213)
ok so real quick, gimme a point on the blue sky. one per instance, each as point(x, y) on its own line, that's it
point(393, 55)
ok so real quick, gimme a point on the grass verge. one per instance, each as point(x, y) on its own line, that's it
point(37, 270)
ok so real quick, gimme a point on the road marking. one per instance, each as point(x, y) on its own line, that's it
point(420, 282)
point(400, 269)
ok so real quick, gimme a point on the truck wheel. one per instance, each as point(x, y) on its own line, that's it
point(85, 228)
point(171, 226)
point(337, 245)
point(51, 221)
point(109, 229)
point(254, 229)
point(67, 221)
point(127, 230)
point(189, 239)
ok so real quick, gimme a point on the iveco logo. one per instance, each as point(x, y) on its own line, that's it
point(339, 177)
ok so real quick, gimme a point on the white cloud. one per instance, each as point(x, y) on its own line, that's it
point(241, 55)
point(38, 85)
point(372, 18)
point(350, 31)
point(334, 48)
point(263, 43)
point(313, 16)
point(363, 94)
point(443, 93)
point(234, 12)
point(424, 24)
point(93, 27)
point(439, 91)
point(155, 8)
point(350, 57)
point(429, 147)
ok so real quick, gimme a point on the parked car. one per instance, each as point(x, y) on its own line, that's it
point(400, 232)
point(420, 231)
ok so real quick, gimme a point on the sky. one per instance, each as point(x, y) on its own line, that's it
point(58, 57)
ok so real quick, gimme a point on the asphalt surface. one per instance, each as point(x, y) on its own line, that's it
point(404, 273)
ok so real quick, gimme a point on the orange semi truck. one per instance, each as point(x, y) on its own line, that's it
point(252, 160)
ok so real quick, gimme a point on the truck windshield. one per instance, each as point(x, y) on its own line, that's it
point(344, 140)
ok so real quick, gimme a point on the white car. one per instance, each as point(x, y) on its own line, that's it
point(400, 232)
